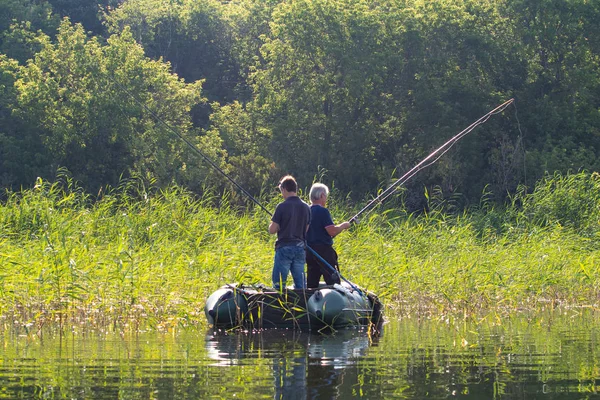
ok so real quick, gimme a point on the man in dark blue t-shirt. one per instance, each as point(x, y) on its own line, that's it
point(290, 222)
point(320, 238)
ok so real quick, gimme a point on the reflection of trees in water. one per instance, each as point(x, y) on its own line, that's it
point(304, 365)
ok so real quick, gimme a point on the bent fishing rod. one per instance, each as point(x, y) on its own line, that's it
point(230, 179)
point(429, 160)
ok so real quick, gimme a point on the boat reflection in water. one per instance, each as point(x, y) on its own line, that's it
point(304, 365)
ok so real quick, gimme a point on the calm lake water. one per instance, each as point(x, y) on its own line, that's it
point(555, 357)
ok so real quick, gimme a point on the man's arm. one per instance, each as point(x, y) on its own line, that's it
point(334, 230)
point(273, 227)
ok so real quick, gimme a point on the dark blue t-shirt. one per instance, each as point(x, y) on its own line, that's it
point(293, 215)
point(320, 218)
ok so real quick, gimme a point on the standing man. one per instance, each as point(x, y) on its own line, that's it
point(290, 222)
point(320, 236)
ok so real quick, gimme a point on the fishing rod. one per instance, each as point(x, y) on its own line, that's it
point(191, 146)
point(429, 160)
point(230, 179)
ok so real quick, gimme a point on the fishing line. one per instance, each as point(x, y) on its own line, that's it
point(453, 142)
point(191, 146)
point(429, 160)
point(522, 143)
point(220, 170)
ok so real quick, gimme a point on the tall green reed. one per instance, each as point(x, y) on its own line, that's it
point(139, 256)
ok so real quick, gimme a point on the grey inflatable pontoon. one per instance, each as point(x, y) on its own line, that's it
point(261, 307)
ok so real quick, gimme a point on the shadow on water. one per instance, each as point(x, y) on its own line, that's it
point(304, 365)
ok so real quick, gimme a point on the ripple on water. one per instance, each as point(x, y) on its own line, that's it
point(518, 360)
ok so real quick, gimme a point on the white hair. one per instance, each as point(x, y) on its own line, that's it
point(317, 190)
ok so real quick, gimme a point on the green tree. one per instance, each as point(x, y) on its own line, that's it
point(85, 12)
point(193, 36)
point(90, 104)
point(560, 98)
point(250, 25)
point(321, 85)
point(462, 58)
point(245, 140)
point(365, 88)
point(23, 156)
point(33, 14)
point(39, 13)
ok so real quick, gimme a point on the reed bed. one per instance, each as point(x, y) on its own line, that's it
point(137, 258)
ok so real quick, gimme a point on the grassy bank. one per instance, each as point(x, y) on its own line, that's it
point(137, 258)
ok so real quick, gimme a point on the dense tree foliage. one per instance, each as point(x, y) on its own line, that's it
point(97, 111)
point(34, 16)
point(85, 12)
point(357, 90)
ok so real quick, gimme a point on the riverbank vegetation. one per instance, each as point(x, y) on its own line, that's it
point(138, 257)
point(358, 88)
point(353, 92)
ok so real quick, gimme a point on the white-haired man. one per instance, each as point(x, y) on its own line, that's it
point(319, 237)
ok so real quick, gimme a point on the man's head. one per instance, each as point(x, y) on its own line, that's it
point(319, 193)
point(288, 183)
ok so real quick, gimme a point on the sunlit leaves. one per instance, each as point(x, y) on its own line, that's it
point(100, 107)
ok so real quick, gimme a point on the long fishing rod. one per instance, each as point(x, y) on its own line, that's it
point(429, 160)
point(230, 179)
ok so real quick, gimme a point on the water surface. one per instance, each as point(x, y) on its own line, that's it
point(555, 357)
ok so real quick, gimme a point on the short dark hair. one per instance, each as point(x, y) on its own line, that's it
point(288, 183)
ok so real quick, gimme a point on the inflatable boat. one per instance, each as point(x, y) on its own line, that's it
point(257, 307)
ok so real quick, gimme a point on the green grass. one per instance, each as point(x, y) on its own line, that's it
point(139, 258)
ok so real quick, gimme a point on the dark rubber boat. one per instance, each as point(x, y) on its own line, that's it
point(255, 307)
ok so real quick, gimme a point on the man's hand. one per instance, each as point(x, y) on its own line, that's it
point(273, 227)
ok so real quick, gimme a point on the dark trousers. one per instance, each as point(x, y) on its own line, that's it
point(315, 267)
